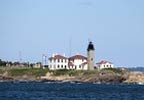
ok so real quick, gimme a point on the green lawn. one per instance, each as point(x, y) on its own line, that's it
point(36, 72)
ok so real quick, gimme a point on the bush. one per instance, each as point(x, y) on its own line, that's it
point(65, 72)
point(73, 72)
point(112, 70)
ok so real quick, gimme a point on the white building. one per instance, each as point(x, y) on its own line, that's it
point(104, 64)
point(58, 62)
point(77, 62)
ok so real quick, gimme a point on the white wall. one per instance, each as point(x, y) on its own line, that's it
point(77, 63)
point(107, 65)
point(85, 67)
point(61, 64)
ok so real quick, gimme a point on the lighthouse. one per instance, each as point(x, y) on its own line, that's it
point(91, 56)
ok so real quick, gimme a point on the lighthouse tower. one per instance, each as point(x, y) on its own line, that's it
point(90, 56)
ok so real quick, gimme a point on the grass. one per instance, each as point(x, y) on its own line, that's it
point(73, 72)
point(36, 72)
point(1, 71)
point(27, 71)
point(65, 72)
point(87, 72)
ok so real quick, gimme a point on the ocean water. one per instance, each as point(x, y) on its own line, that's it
point(70, 91)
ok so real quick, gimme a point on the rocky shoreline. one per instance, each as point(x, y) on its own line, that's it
point(131, 77)
point(92, 78)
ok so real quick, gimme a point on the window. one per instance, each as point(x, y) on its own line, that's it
point(65, 60)
point(61, 66)
point(65, 66)
point(75, 66)
point(104, 65)
point(58, 60)
point(58, 66)
point(79, 66)
point(62, 60)
point(50, 60)
point(107, 65)
point(91, 59)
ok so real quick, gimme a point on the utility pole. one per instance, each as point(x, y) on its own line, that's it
point(44, 59)
point(20, 57)
point(70, 47)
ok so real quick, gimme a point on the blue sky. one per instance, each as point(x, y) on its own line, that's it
point(36, 27)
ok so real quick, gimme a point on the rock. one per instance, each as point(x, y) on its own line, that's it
point(5, 79)
point(91, 78)
point(5, 74)
point(135, 77)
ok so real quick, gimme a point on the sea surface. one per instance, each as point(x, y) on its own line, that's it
point(69, 91)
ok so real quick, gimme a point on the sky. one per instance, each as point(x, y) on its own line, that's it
point(30, 28)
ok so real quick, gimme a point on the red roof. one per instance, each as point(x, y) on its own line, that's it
point(78, 57)
point(58, 57)
point(104, 62)
point(84, 63)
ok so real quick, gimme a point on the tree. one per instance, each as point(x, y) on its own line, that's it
point(2, 63)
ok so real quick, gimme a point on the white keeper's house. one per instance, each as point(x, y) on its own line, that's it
point(76, 62)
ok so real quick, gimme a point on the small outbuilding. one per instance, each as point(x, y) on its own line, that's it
point(104, 64)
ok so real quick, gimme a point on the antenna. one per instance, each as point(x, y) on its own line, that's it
point(44, 59)
point(70, 46)
point(20, 56)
